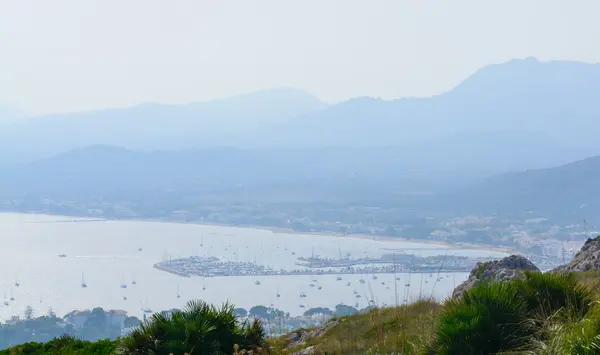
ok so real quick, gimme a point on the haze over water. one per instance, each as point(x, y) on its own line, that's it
point(107, 254)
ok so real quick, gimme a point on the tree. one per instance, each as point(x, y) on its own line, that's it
point(199, 329)
point(318, 310)
point(28, 313)
point(240, 312)
point(342, 310)
point(131, 322)
point(259, 312)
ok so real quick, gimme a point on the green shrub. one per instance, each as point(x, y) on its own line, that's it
point(487, 319)
point(199, 328)
point(554, 294)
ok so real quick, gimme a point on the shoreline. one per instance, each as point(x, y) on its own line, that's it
point(277, 230)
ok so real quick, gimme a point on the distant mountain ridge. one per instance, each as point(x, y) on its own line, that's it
point(222, 122)
point(517, 115)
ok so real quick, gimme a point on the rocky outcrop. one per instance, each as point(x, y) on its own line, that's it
point(302, 337)
point(588, 258)
point(505, 269)
point(308, 351)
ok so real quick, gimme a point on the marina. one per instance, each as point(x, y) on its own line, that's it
point(102, 256)
point(387, 264)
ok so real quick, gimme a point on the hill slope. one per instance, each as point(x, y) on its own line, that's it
point(569, 191)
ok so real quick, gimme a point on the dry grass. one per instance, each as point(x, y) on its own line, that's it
point(403, 330)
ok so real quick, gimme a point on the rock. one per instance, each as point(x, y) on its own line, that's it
point(296, 336)
point(308, 351)
point(588, 258)
point(505, 269)
point(301, 337)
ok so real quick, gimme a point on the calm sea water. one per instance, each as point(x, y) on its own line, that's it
point(106, 254)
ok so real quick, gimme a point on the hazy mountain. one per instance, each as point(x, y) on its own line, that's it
point(106, 170)
point(9, 114)
point(550, 108)
point(555, 99)
point(224, 122)
point(570, 191)
point(518, 115)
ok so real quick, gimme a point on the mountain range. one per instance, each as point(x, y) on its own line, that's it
point(517, 115)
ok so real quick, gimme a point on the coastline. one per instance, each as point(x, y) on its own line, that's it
point(278, 230)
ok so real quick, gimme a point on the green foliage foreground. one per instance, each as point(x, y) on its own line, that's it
point(198, 329)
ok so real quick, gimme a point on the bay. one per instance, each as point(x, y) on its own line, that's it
point(107, 254)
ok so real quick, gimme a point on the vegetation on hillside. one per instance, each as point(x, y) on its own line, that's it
point(542, 313)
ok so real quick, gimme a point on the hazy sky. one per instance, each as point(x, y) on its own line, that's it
point(67, 55)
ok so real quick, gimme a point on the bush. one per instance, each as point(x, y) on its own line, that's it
point(198, 328)
point(554, 294)
point(487, 319)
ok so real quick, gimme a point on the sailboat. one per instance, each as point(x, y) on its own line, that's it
point(133, 282)
point(83, 284)
point(5, 301)
point(201, 241)
point(12, 298)
point(178, 295)
point(17, 284)
point(123, 284)
point(278, 295)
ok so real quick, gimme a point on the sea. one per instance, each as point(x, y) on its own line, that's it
point(44, 260)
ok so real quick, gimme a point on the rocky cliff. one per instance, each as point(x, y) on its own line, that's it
point(588, 258)
point(505, 269)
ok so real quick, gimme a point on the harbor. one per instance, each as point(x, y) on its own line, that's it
point(315, 265)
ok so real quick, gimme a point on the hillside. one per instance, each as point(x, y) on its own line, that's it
point(326, 174)
point(568, 191)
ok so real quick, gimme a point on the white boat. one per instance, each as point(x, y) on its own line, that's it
point(83, 284)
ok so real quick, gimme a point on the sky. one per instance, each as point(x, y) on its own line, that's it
point(71, 55)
